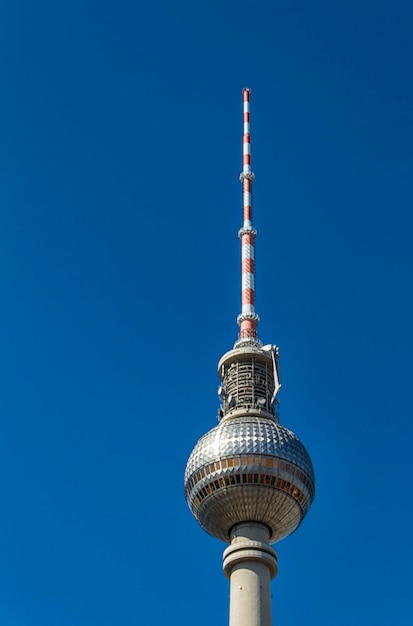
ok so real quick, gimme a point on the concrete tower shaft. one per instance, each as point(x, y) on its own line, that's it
point(250, 564)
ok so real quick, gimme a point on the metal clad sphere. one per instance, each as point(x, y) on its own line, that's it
point(249, 469)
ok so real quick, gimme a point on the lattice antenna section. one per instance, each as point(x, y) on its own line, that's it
point(248, 319)
point(248, 381)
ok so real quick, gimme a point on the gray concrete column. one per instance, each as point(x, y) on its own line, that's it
point(250, 563)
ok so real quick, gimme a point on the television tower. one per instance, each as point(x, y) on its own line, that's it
point(249, 481)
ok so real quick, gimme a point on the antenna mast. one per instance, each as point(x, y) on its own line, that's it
point(247, 319)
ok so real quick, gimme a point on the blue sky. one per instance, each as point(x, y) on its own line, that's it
point(121, 128)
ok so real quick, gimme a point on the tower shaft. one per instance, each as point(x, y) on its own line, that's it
point(250, 563)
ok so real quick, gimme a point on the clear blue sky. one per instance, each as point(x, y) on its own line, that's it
point(121, 129)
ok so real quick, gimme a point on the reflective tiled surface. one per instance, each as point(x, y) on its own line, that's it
point(249, 469)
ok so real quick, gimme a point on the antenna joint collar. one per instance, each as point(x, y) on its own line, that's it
point(247, 175)
point(247, 230)
point(248, 316)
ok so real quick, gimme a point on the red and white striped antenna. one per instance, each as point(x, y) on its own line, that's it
point(247, 319)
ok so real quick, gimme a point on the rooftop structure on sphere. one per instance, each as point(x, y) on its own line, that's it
point(249, 481)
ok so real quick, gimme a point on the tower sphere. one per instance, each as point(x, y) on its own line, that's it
point(249, 469)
